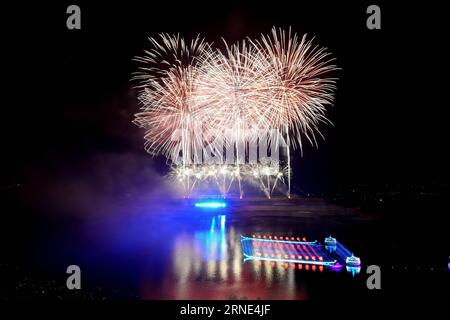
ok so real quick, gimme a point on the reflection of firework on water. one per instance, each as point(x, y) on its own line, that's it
point(201, 105)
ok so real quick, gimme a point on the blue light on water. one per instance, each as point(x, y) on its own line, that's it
point(210, 204)
point(213, 225)
point(212, 243)
point(222, 223)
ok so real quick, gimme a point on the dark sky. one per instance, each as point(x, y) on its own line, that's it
point(68, 96)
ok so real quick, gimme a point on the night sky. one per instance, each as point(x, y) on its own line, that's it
point(68, 101)
point(72, 159)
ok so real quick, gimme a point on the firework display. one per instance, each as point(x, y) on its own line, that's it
point(231, 116)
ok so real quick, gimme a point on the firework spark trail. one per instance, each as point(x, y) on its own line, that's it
point(233, 84)
point(193, 96)
point(301, 90)
point(167, 80)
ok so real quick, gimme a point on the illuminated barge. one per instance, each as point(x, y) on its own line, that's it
point(297, 250)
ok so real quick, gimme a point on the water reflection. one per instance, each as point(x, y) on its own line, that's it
point(208, 263)
point(214, 253)
point(211, 252)
point(178, 251)
point(212, 244)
